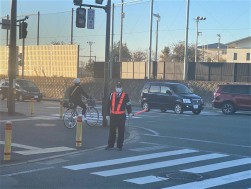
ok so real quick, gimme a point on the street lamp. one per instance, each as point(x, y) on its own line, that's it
point(157, 30)
point(197, 19)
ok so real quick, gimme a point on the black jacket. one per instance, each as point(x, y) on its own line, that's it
point(76, 92)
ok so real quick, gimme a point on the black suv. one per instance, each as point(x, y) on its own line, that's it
point(170, 96)
point(24, 90)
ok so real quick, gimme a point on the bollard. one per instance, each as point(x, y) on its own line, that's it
point(8, 138)
point(61, 109)
point(79, 132)
point(32, 106)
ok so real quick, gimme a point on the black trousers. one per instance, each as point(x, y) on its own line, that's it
point(81, 104)
point(117, 122)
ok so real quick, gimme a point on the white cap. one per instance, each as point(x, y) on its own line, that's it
point(76, 80)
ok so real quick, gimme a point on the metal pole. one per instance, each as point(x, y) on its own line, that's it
point(7, 34)
point(12, 57)
point(150, 39)
point(23, 58)
point(121, 30)
point(186, 43)
point(38, 26)
point(72, 26)
point(195, 58)
point(157, 31)
point(107, 60)
point(112, 58)
point(218, 47)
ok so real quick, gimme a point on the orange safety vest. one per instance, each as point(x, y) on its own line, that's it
point(119, 105)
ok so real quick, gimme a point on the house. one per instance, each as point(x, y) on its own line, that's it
point(215, 52)
point(239, 51)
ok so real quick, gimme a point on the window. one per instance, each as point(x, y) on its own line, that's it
point(154, 89)
point(248, 56)
point(164, 89)
point(235, 56)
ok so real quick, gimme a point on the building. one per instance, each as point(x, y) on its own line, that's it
point(43, 60)
point(215, 52)
point(239, 51)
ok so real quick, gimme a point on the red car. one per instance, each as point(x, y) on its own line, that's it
point(232, 97)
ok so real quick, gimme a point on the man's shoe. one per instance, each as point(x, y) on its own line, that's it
point(108, 147)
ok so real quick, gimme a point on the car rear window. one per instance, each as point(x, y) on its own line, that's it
point(236, 89)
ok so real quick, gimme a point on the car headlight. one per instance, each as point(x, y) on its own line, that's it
point(187, 101)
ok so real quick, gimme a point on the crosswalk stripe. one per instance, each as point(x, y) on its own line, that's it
point(157, 165)
point(208, 183)
point(128, 159)
point(146, 180)
point(217, 166)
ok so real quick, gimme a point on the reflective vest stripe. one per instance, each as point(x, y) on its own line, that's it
point(119, 105)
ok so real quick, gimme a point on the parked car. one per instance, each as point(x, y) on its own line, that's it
point(170, 96)
point(232, 97)
point(24, 89)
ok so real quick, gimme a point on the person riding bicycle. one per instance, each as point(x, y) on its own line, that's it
point(75, 95)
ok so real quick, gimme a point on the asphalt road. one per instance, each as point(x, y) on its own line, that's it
point(162, 150)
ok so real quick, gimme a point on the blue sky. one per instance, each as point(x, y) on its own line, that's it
point(230, 18)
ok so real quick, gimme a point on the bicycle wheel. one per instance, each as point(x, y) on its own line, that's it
point(68, 118)
point(92, 116)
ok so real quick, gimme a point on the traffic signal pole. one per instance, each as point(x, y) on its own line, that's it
point(12, 58)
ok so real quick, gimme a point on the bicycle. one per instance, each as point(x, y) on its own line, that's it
point(72, 112)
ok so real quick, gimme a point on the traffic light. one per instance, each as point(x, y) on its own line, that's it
point(77, 2)
point(99, 1)
point(23, 30)
point(80, 17)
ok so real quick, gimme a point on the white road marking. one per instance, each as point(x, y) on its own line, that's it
point(44, 150)
point(158, 165)
point(45, 125)
point(22, 146)
point(128, 159)
point(29, 171)
point(146, 180)
point(218, 166)
point(32, 118)
point(208, 183)
point(204, 141)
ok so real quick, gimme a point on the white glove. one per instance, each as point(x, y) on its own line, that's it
point(130, 115)
point(107, 118)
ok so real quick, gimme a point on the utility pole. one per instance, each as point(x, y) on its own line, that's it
point(150, 39)
point(157, 32)
point(121, 30)
point(198, 18)
point(72, 11)
point(38, 26)
point(90, 44)
point(12, 58)
point(186, 44)
point(219, 37)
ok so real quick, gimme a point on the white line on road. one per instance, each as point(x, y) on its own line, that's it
point(218, 166)
point(128, 159)
point(44, 150)
point(195, 140)
point(22, 146)
point(208, 183)
point(146, 180)
point(158, 165)
point(29, 171)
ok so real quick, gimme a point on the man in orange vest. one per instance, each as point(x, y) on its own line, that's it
point(117, 103)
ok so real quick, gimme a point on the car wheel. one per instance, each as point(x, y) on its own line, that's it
point(178, 109)
point(196, 111)
point(228, 108)
point(163, 110)
point(146, 106)
point(20, 97)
